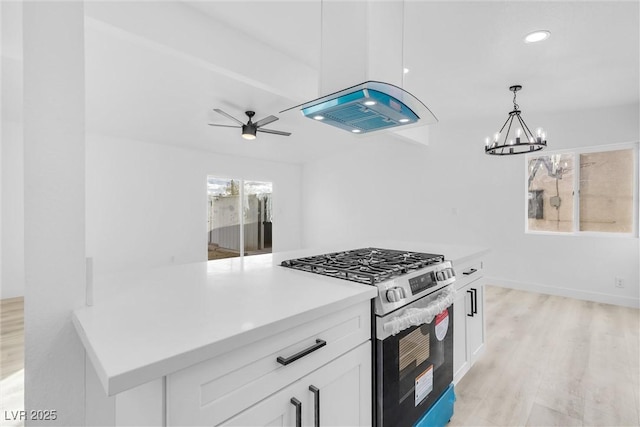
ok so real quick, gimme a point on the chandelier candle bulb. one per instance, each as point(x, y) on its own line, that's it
point(486, 142)
point(518, 132)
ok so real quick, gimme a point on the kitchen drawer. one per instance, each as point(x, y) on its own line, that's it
point(468, 272)
point(215, 390)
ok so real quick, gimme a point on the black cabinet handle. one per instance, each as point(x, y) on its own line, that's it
point(295, 402)
point(286, 360)
point(471, 314)
point(475, 299)
point(469, 272)
point(316, 405)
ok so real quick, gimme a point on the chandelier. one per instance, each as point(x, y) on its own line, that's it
point(521, 140)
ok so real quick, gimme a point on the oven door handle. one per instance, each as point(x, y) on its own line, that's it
point(420, 316)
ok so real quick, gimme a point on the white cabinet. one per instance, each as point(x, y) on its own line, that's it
point(254, 385)
point(337, 394)
point(460, 351)
point(139, 406)
point(469, 318)
point(475, 322)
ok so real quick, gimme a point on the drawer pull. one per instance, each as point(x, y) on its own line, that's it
point(316, 405)
point(286, 360)
point(295, 402)
point(470, 271)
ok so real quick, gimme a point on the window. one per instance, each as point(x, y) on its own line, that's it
point(583, 191)
point(239, 217)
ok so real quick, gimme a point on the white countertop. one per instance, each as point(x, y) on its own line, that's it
point(166, 319)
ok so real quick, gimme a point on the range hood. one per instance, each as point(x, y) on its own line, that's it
point(368, 107)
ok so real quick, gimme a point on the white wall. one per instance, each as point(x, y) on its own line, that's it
point(147, 203)
point(450, 191)
point(54, 201)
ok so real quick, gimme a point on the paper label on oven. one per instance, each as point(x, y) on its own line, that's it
point(442, 325)
point(424, 384)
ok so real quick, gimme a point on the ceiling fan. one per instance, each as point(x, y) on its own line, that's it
point(250, 128)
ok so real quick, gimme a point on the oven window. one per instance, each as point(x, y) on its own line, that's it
point(414, 349)
point(420, 354)
point(414, 352)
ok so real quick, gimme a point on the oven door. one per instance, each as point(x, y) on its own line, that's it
point(414, 366)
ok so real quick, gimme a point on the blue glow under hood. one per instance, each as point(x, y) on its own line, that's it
point(368, 107)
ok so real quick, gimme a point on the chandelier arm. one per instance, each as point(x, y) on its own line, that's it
point(505, 123)
point(506, 135)
point(525, 127)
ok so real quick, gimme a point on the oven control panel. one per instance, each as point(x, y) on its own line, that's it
point(422, 282)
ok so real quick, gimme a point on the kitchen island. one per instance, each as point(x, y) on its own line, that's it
point(159, 343)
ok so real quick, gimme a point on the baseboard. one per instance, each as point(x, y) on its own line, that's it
point(565, 292)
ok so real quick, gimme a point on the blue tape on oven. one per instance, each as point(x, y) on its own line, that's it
point(441, 412)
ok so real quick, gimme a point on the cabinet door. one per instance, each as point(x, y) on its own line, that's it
point(461, 307)
point(340, 392)
point(475, 324)
point(276, 410)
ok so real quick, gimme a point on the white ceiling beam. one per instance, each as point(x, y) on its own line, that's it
point(181, 31)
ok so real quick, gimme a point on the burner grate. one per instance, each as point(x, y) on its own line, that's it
point(366, 265)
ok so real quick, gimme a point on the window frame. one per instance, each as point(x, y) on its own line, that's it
point(576, 152)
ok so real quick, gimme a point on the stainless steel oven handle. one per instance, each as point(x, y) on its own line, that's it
point(419, 316)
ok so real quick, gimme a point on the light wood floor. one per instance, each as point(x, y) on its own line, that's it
point(553, 361)
point(549, 361)
point(12, 362)
point(11, 336)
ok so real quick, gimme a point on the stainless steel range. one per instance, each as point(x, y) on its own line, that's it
point(413, 324)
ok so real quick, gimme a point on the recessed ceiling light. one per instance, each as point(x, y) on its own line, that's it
point(537, 36)
point(356, 131)
point(318, 117)
point(405, 70)
point(369, 102)
point(403, 120)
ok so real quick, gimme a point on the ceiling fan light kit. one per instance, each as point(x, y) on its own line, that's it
point(250, 128)
point(522, 139)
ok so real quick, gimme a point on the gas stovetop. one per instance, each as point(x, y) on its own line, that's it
point(366, 265)
point(400, 276)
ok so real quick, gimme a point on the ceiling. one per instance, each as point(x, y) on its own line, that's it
point(155, 70)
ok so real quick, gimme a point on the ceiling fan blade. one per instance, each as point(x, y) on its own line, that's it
point(224, 126)
point(265, 121)
point(219, 111)
point(276, 132)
